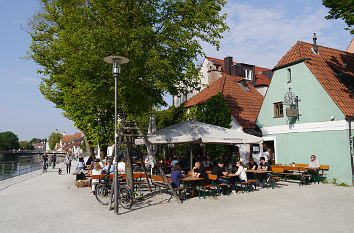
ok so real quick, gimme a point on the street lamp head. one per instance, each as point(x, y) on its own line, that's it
point(116, 61)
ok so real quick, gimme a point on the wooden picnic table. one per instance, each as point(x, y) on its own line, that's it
point(258, 171)
point(191, 179)
point(191, 182)
point(228, 176)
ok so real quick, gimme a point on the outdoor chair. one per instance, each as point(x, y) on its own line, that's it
point(221, 187)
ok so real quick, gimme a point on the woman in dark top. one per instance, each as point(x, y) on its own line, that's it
point(91, 159)
point(176, 176)
point(252, 165)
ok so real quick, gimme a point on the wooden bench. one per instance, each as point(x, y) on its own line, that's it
point(219, 186)
point(97, 177)
point(321, 173)
point(296, 171)
point(247, 184)
point(159, 181)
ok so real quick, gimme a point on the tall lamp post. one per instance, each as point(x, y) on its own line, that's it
point(116, 61)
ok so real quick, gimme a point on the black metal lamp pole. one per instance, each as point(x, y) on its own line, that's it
point(117, 61)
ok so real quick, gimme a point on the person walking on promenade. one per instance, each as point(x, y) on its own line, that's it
point(54, 160)
point(68, 160)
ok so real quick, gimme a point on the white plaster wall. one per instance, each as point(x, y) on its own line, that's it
point(262, 90)
point(235, 124)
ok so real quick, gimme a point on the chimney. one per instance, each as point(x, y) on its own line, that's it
point(314, 43)
point(227, 65)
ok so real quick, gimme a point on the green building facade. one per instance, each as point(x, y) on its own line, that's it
point(313, 123)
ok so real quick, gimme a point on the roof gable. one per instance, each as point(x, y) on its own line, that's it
point(245, 101)
point(334, 69)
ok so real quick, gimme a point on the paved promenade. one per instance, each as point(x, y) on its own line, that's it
point(51, 203)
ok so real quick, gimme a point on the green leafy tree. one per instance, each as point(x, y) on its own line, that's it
point(53, 139)
point(215, 111)
point(8, 141)
point(341, 9)
point(25, 145)
point(162, 39)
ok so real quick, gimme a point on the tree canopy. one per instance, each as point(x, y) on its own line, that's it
point(341, 9)
point(8, 141)
point(53, 139)
point(162, 39)
point(25, 145)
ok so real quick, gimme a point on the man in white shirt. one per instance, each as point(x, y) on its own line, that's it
point(121, 166)
point(314, 167)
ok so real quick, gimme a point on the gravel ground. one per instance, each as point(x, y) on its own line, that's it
point(51, 203)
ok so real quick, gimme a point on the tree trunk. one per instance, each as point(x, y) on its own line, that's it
point(128, 164)
point(103, 152)
point(89, 149)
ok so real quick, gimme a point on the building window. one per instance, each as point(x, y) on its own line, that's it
point(278, 109)
point(289, 75)
point(248, 74)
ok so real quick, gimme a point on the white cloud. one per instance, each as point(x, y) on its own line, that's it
point(261, 36)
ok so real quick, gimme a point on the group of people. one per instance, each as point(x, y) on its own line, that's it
point(241, 175)
point(46, 162)
point(94, 166)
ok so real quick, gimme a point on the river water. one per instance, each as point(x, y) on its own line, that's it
point(15, 164)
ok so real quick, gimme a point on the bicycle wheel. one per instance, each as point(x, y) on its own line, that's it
point(102, 194)
point(126, 197)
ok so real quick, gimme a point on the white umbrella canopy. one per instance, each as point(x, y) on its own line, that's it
point(198, 132)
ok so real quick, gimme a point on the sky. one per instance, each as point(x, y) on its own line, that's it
point(261, 32)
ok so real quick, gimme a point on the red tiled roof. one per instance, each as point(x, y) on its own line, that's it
point(69, 138)
point(324, 67)
point(261, 79)
point(245, 104)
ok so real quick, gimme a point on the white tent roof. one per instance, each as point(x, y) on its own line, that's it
point(198, 132)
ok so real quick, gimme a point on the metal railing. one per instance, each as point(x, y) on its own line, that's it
point(10, 169)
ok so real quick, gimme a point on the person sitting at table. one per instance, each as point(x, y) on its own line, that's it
point(111, 170)
point(219, 171)
point(176, 176)
point(206, 162)
point(174, 161)
point(263, 166)
point(121, 166)
point(97, 170)
point(199, 171)
point(81, 163)
point(241, 172)
point(252, 165)
point(91, 159)
point(313, 168)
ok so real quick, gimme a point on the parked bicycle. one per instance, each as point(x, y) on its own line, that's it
point(103, 192)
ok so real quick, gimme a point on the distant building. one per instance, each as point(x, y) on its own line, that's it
point(70, 143)
point(213, 69)
point(38, 146)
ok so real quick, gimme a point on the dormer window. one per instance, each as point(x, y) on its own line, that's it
point(248, 74)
